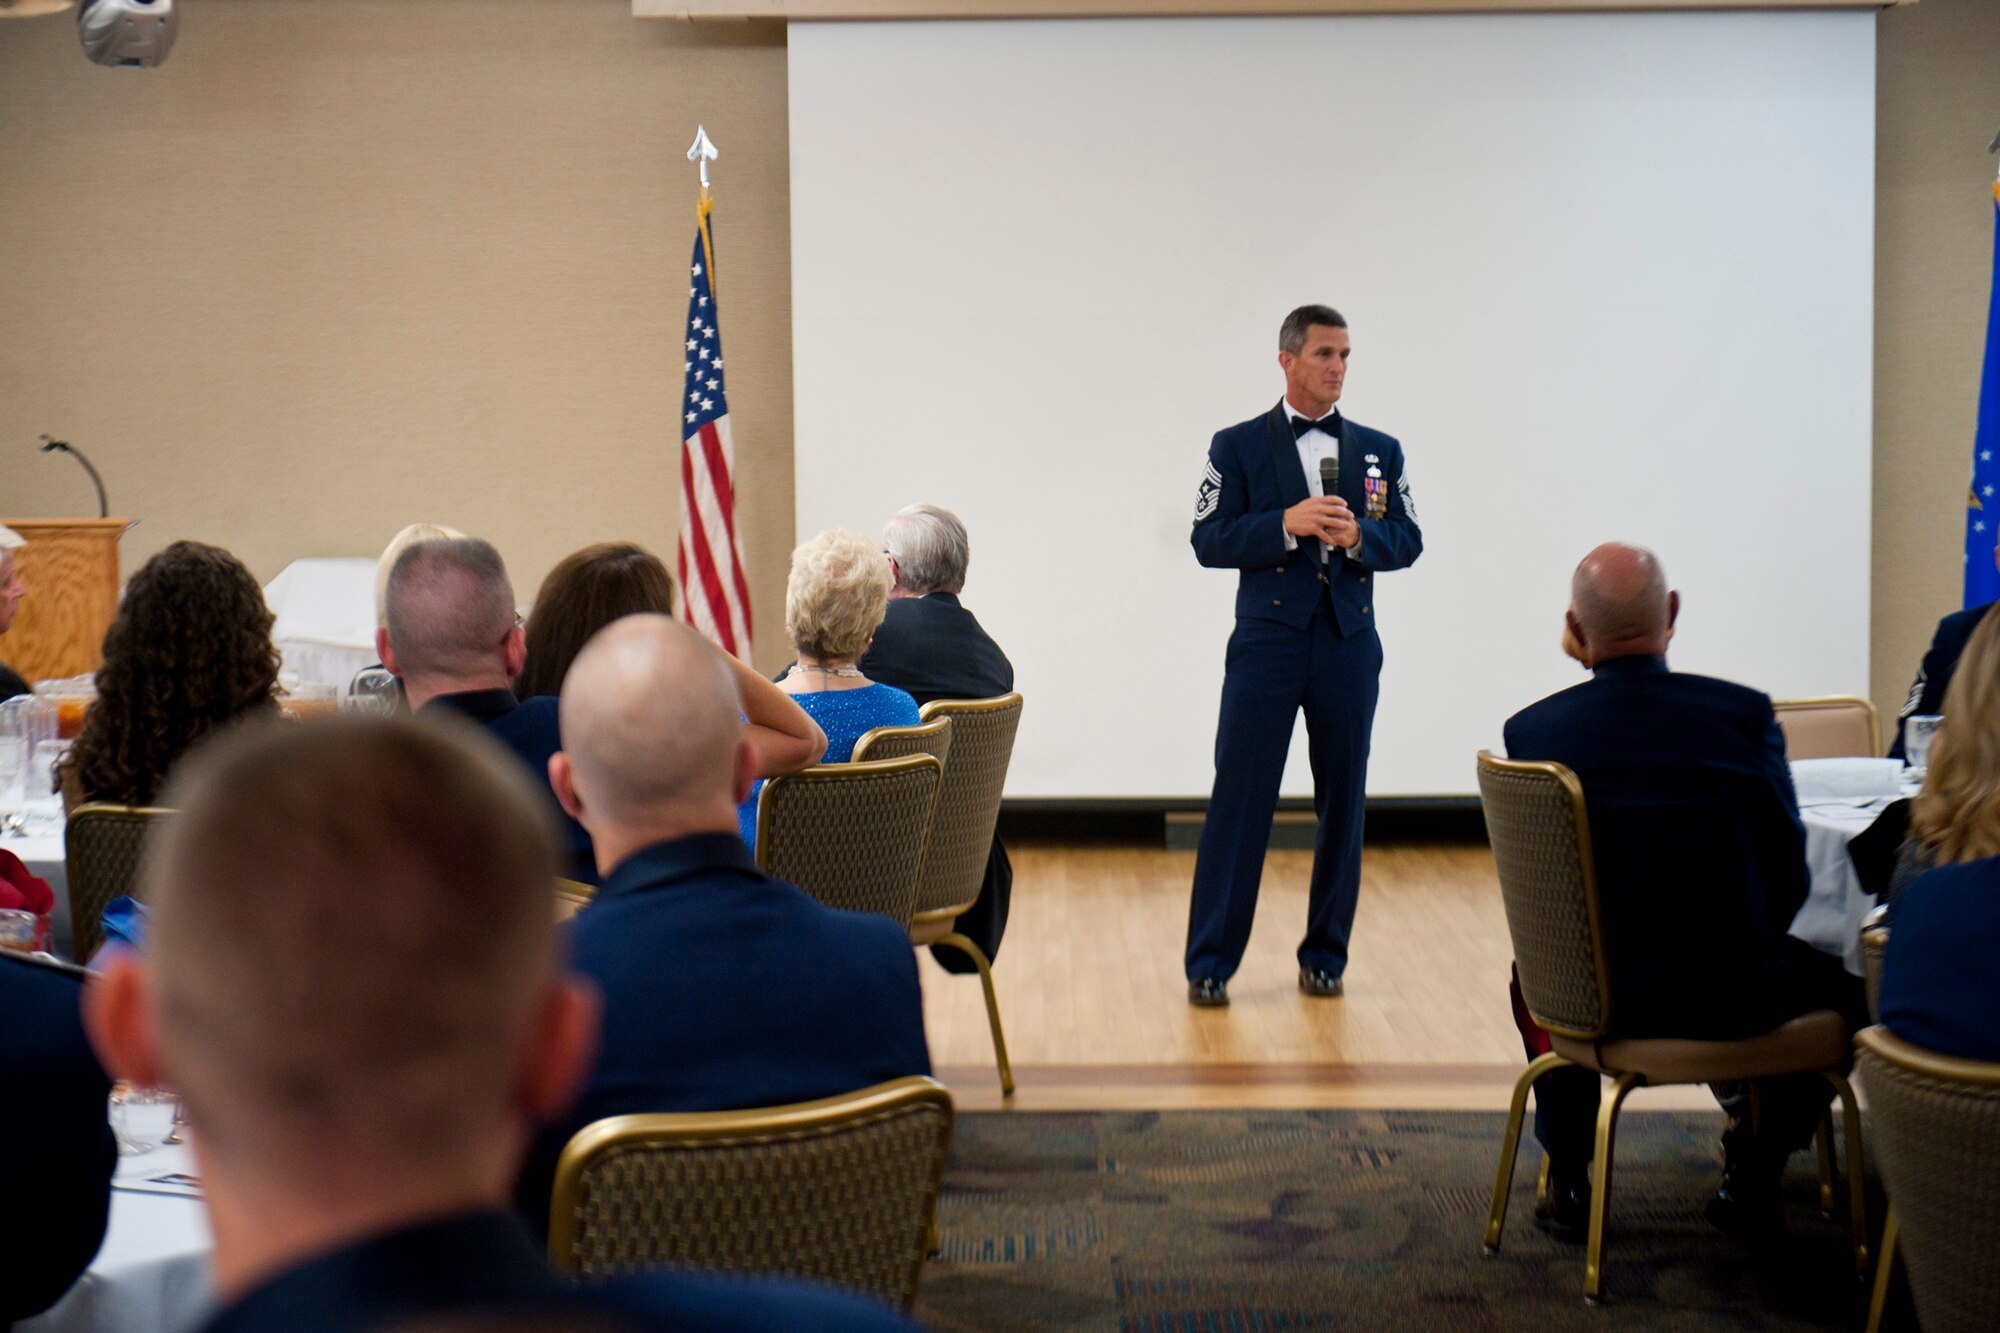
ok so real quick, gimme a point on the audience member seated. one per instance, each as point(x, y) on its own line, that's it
point(1700, 866)
point(833, 602)
point(1940, 988)
point(586, 591)
point(1934, 673)
point(932, 646)
point(723, 988)
point(599, 584)
point(454, 639)
point(52, 1122)
point(189, 651)
point(401, 542)
point(360, 1073)
point(12, 590)
point(1961, 792)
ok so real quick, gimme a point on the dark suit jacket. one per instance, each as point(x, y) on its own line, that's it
point(1934, 675)
point(933, 648)
point(60, 1153)
point(11, 683)
point(484, 1263)
point(1940, 988)
point(1700, 852)
point(725, 988)
point(1254, 475)
point(530, 728)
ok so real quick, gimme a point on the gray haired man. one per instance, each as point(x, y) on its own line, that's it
point(12, 590)
point(934, 648)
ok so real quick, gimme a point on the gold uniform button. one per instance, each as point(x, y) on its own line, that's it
point(1364, 578)
point(1364, 610)
point(1276, 602)
point(1281, 569)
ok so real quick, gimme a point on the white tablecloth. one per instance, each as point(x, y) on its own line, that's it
point(1835, 904)
point(152, 1272)
point(325, 611)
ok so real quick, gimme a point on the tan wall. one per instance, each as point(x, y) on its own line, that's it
point(336, 267)
point(1935, 112)
point(340, 266)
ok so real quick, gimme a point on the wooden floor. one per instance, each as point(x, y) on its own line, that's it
point(1095, 1002)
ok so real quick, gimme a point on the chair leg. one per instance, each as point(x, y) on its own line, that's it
point(1885, 1269)
point(978, 957)
point(1857, 1193)
point(1542, 1182)
point(1510, 1143)
point(1600, 1185)
point(1823, 1143)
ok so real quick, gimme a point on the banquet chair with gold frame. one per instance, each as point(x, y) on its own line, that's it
point(1874, 941)
point(1937, 1143)
point(102, 847)
point(842, 1190)
point(975, 776)
point(1834, 727)
point(572, 896)
point(1540, 831)
point(852, 835)
point(932, 738)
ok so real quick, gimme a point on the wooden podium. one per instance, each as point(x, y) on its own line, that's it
point(71, 568)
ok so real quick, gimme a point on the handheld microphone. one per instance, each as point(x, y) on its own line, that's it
point(1329, 485)
point(50, 446)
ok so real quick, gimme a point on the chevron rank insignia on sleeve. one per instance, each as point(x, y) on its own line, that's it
point(1210, 494)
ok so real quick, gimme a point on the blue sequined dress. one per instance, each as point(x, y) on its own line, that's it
point(845, 716)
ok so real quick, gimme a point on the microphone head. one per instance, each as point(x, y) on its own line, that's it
point(1329, 474)
point(49, 446)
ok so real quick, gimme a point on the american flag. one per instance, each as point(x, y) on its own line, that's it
point(711, 558)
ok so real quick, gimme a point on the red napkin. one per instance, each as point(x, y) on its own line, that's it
point(27, 893)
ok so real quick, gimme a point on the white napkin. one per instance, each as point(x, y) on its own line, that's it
point(1853, 779)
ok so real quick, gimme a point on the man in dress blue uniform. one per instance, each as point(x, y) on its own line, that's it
point(1305, 638)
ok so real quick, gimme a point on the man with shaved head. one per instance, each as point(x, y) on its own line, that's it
point(451, 634)
point(1700, 868)
point(723, 987)
point(354, 984)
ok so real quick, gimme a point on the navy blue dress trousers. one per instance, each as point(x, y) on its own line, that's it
point(1304, 640)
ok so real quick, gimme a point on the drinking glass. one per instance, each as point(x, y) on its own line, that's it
point(1918, 733)
point(13, 780)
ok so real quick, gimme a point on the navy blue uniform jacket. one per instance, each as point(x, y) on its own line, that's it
point(725, 988)
point(1254, 475)
point(485, 1264)
point(60, 1152)
point(1934, 675)
point(1700, 853)
point(1940, 988)
point(531, 729)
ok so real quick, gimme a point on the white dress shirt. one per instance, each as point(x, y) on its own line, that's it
point(1323, 441)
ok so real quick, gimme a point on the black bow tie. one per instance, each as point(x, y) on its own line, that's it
point(1330, 423)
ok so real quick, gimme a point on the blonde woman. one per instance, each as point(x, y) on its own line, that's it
point(834, 601)
point(1940, 988)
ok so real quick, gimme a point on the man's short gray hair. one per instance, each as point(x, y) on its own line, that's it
point(930, 547)
point(1292, 333)
point(449, 606)
point(10, 541)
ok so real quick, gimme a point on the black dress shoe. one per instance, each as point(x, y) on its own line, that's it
point(1754, 1218)
point(1319, 981)
point(1564, 1212)
point(1208, 993)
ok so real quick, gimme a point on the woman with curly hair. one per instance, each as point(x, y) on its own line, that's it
point(189, 651)
point(586, 591)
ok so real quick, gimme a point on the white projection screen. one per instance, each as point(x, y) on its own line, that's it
point(1608, 276)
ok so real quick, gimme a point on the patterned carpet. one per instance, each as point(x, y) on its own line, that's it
point(1255, 1220)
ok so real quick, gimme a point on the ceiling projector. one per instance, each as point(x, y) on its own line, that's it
point(127, 34)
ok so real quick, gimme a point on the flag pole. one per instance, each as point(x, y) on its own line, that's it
point(701, 153)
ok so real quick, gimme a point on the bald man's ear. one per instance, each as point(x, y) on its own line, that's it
point(384, 654)
point(746, 769)
point(118, 1016)
point(515, 646)
point(1673, 611)
point(1573, 642)
point(562, 781)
